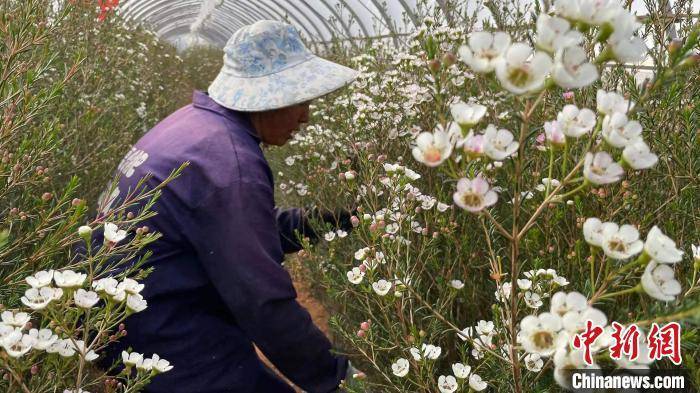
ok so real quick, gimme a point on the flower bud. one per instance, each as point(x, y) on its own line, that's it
point(46, 196)
point(35, 369)
point(76, 202)
point(85, 232)
point(361, 333)
point(568, 95)
point(434, 65)
point(448, 59)
point(354, 221)
point(690, 61)
point(364, 325)
point(363, 268)
point(674, 45)
point(130, 216)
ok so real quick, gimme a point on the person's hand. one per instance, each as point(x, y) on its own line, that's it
point(338, 218)
point(351, 375)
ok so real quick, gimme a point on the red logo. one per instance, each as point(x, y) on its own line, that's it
point(586, 339)
point(663, 342)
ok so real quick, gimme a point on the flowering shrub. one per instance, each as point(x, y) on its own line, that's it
point(512, 184)
point(60, 309)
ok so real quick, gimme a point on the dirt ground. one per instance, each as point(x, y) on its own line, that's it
point(315, 308)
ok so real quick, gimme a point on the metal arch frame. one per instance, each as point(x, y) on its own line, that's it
point(320, 17)
point(354, 15)
point(146, 12)
point(323, 20)
point(162, 24)
point(296, 10)
point(215, 33)
point(342, 22)
point(163, 17)
point(346, 27)
point(387, 20)
point(269, 15)
point(243, 13)
point(410, 13)
point(215, 36)
point(147, 8)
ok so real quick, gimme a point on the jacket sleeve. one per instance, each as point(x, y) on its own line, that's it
point(238, 242)
point(289, 222)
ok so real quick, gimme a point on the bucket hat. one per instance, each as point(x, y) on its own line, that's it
point(266, 66)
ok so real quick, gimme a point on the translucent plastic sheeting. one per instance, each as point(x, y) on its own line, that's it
point(194, 21)
point(188, 22)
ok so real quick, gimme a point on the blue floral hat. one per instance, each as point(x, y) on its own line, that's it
point(267, 66)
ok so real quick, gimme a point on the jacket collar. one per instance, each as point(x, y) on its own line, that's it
point(202, 100)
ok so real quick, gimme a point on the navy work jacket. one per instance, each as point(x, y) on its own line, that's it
point(218, 284)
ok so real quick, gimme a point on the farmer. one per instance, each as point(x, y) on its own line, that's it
point(218, 286)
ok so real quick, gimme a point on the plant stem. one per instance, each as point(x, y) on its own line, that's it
point(574, 191)
point(17, 379)
point(634, 289)
point(592, 265)
point(693, 312)
point(549, 172)
point(498, 226)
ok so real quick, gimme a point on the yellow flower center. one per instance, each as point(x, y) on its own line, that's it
point(472, 199)
point(617, 245)
point(597, 170)
point(519, 76)
point(432, 154)
point(543, 339)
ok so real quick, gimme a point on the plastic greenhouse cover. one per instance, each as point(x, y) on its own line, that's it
point(188, 22)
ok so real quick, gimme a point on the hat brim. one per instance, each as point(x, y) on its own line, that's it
point(305, 81)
